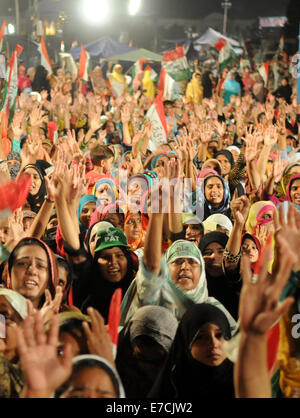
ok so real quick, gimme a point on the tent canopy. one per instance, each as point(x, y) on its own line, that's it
point(211, 36)
point(134, 56)
point(105, 47)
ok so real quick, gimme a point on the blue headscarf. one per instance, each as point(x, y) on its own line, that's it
point(156, 158)
point(232, 87)
point(83, 201)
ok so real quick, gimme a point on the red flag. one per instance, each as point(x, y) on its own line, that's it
point(13, 195)
point(114, 316)
point(220, 44)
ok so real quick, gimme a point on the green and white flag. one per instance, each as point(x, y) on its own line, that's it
point(226, 56)
point(11, 84)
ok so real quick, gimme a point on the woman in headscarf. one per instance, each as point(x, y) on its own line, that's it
point(293, 190)
point(233, 172)
point(139, 188)
point(196, 366)
point(222, 284)
point(117, 80)
point(207, 84)
point(32, 269)
point(222, 223)
point(82, 270)
point(13, 307)
point(87, 369)
point(194, 90)
point(85, 210)
point(143, 346)
point(114, 266)
point(261, 214)
point(40, 81)
point(38, 190)
point(216, 196)
point(231, 88)
point(280, 194)
point(226, 160)
point(260, 224)
point(135, 227)
point(106, 192)
point(148, 85)
point(251, 247)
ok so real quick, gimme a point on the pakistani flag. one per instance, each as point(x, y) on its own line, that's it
point(11, 84)
point(45, 60)
point(156, 114)
point(153, 74)
point(83, 70)
point(176, 65)
point(137, 67)
point(168, 86)
point(2, 30)
point(226, 56)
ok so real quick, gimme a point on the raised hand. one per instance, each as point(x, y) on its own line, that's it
point(17, 123)
point(98, 339)
point(278, 167)
point(289, 229)
point(251, 147)
point(51, 305)
point(259, 300)
point(125, 115)
point(37, 117)
point(271, 136)
point(44, 371)
point(240, 207)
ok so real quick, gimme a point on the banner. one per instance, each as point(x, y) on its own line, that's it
point(156, 114)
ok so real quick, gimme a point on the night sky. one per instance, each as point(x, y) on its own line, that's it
point(179, 8)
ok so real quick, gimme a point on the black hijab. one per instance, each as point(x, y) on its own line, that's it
point(156, 323)
point(101, 290)
point(226, 286)
point(36, 201)
point(228, 155)
point(184, 377)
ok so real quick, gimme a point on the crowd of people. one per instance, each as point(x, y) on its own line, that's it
point(201, 234)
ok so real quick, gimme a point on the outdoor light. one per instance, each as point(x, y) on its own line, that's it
point(134, 6)
point(10, 28)
point(95, 10)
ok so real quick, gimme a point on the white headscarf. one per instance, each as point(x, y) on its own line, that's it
point(17, 301)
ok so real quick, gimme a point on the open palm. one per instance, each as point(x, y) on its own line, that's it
point(43, 369)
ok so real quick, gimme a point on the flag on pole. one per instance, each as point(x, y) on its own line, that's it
point(156, 114)
point(114, 317)
point(167, 86)
point(263, 70)
point(69, 62)
point(83, 64)
point(220, 44)
point(153, 74)
point(45, 60)
point(175, 64)
point(11, 84)
point(226, 56)
point(137, 67)
point(2, 30)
